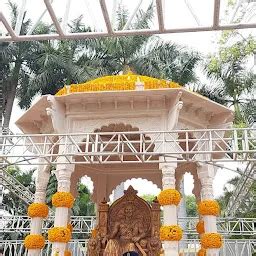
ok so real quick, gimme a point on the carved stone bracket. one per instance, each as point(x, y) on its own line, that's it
point(56, 111)
point(174, 111)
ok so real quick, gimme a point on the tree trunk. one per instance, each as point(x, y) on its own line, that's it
point(9, 105)
point(11, 95)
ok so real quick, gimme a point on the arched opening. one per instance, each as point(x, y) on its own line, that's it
point(82, 189)
point(146, 189)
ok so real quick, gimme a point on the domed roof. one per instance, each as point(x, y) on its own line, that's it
point(118, 83)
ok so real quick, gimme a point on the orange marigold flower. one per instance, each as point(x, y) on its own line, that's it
point(59, 234)
point(67, 253)
point(171, 233)
point(34, 242)
point(201, 252)
point(200, 227)
point(118, 83)
point(63, 199)
point(70, 227)
point(169, 197)
point(209, 207)
point(38, 210)
point(211, 240)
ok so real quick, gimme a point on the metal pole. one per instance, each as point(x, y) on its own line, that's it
point(128, 23)
point(65, 18)
point(20, 17)
point(38, 20)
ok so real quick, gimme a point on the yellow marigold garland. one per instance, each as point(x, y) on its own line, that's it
point(38, 210)
point(70, 227)
point(59, 234)
point(117, 83)
point(34, 242)
point(67, 253)
point(211, 240)
point(201, 252)
point(63, 199)
point(209, 207)
point(170, 233)
point(200, 227)
point(169, 197)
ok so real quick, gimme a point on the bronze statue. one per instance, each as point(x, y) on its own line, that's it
point(126, 233)
point(129, 224)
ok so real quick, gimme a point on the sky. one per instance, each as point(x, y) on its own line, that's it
point(204, 42)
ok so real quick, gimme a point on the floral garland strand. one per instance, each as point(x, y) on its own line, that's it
point(201, 252)
point(67, 253)
point(34, 242)
point(38, 210)
point(200, 227)
point(171, 233)
point(70, 227)
point(169, 197)
point(63, 199)
point(208, 207)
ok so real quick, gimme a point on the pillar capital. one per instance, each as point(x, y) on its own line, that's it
point(63, 174)
point(206, 174)
point(168, 174)
point(168, 167)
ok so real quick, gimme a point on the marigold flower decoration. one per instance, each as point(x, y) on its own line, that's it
point(70, 227)
point(67, 253)
point(63, 199)
point(38, 210)
point(200, 227)
point(34, 242)
point(169, 197)
point(211, 240)
point(209, 207)
point(170, 233)
point(117, 83)
point(59, 234)
point(201, 252)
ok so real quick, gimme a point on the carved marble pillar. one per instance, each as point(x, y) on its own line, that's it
point(42, 179)
point(63, 173)
point(169, 211)
point(206, 174)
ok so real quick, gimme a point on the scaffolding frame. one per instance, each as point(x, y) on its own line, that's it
point(61, 27)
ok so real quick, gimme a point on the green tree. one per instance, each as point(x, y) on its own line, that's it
point(149, 197)
point(59, 63)
point(235, 82)
point(191, 206)
point(14, 58)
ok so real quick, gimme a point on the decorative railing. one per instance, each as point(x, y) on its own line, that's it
point(209, 145)
point(84, 225)
point(189, 247)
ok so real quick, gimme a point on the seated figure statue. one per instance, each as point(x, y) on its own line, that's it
point(130, 224)
point(127, 233)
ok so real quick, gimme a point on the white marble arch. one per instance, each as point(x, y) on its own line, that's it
point(145, 182)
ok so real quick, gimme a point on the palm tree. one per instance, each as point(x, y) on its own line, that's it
point(60, 63)
point(13, 59)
